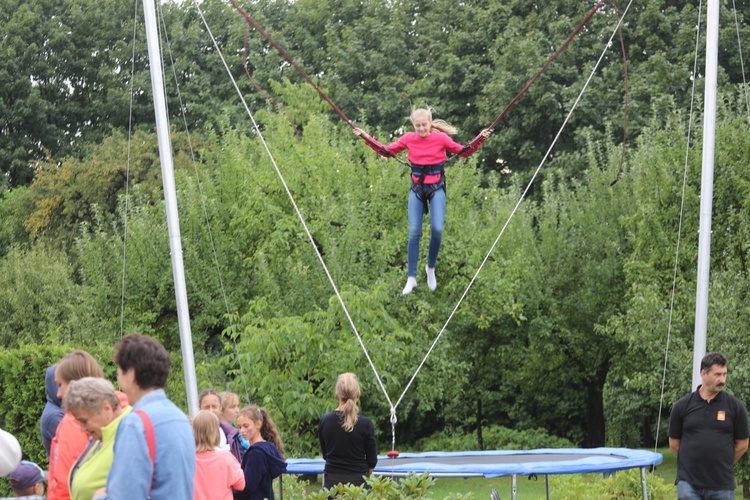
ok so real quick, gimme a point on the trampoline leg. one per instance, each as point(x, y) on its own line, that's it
point(546, 484)
point(281, 488)
point(514, 486)
point(643, 483)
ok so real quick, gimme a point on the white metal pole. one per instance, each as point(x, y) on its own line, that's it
point(170, 198)
point(707, 188)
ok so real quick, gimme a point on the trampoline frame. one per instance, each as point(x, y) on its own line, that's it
point(497, 463)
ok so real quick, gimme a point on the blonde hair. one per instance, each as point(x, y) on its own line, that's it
point(347, 390)
point(206, 431)
point(226, 399)
point(440, 125)
point(268, 429)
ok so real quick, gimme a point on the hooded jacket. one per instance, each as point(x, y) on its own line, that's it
point(53, 412)
point(233, 440)
point(262, 464)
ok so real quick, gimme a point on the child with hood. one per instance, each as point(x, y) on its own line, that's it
point(53, 412)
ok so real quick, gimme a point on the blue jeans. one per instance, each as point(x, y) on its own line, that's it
point(687, 492)
point(437, 220)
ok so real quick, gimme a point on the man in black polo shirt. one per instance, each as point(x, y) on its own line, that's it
point(708, 433)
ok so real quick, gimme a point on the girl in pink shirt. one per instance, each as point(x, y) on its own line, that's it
point(216, 470)
point(427, 147)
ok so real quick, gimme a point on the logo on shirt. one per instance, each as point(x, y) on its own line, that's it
point(721, 416)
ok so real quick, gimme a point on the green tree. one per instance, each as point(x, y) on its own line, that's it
point(38, 302)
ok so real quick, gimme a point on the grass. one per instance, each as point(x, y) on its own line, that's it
point(534, 489)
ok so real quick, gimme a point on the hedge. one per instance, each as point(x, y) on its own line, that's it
point(22, 372)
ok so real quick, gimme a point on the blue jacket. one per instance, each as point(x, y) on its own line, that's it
point(262, 464)
point(131, 474)
point(53, 412)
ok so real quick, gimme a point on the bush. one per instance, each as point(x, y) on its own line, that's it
point(495, 438)
point(413, 486)
point(622, 485)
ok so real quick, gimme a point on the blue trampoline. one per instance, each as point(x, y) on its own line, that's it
point(503, 463)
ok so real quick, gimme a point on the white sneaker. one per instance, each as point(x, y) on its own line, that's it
point(431, 280)
point(411, 284)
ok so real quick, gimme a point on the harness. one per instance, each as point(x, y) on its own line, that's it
point(424, 191)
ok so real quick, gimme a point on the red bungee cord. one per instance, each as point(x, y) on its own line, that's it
point(479, 139)
point(375, 145)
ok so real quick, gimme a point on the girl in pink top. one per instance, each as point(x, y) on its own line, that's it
point(216, 471)
point(427, 147)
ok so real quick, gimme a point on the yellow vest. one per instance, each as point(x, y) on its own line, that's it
point(94, 465)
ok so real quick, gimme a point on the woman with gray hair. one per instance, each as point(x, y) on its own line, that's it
point(98, 408)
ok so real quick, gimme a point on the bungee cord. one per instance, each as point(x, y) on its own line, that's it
point(627, 99)
point(534, 78)
point(378, 147)
point(301, 217)
point(518, 204)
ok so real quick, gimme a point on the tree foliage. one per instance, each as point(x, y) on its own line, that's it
point(565, 327)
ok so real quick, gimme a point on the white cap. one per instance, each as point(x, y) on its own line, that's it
point(10, 453)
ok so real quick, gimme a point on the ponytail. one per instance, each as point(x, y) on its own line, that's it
point(444, 126)
point(270, 432)
point(347, 390)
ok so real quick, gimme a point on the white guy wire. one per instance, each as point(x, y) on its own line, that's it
point(515, 209)
point(296, 208)
point(679, 227)
point(202, 198)
point(742, 61)
point(127, 176)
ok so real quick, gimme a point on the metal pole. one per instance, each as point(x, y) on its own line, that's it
point(546, 484)
point(643, 483)
point(514, 486)
point(170, 199)
point(707, 188)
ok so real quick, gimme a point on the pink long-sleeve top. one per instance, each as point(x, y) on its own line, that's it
point(428, 150)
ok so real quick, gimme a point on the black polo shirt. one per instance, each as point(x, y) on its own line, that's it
point(707, 431)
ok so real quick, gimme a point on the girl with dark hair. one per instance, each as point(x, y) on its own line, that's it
point(264, 460)
point(347, 439)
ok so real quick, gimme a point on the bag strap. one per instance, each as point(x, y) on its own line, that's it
point(148, 428)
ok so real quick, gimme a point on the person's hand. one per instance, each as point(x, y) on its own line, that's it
point(100, 493)
point(486, 132)
point(359, 132)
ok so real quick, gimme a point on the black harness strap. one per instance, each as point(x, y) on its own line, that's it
point(424, 191)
